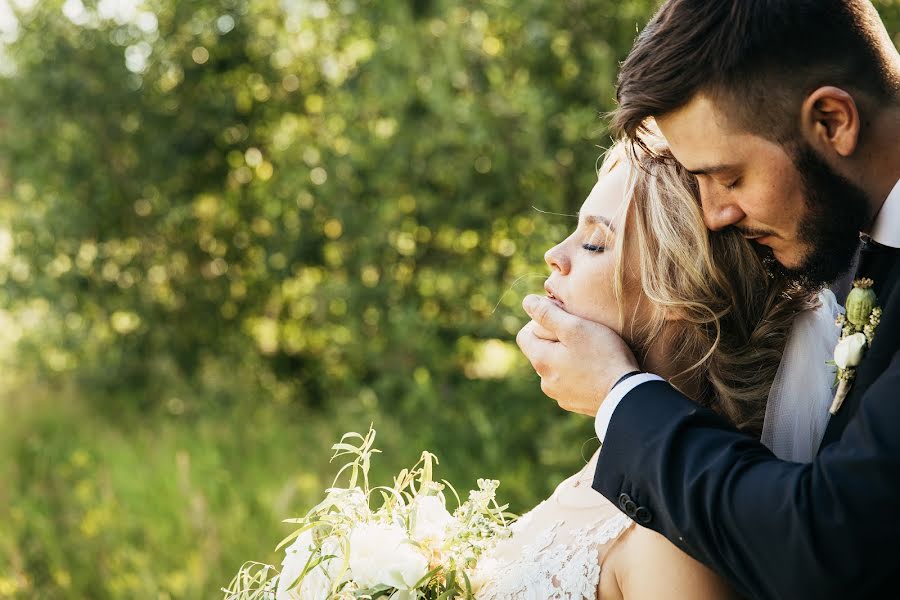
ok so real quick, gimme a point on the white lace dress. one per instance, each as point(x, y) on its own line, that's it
point(556, 548)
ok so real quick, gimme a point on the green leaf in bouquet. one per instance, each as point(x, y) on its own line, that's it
point(361, 463)
point(377, 591)
point(339, 581)
point(390, 496)
point(313, 562)
point(427, 577)
point(346, 448)
point(252, 582)
point(428, 459)
point(400, 480)
point(295, 534)
point(469, 593)
point(354, 434)
point(449, 486)
point(451, 580)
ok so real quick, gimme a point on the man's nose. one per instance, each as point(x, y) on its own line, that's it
point(719, 213)
point(557, 259)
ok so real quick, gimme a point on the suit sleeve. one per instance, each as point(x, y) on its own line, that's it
point(774, 529)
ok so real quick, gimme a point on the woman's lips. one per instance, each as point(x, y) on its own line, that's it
point(550, 294)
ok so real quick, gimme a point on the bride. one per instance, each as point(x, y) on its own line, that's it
point(642, 262)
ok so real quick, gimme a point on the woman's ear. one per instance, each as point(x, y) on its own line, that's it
point(829, 121)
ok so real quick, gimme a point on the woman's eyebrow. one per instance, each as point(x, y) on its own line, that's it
point(590, 220)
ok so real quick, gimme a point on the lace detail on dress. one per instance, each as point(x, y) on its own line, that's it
point(556, 548)
point(551, 570)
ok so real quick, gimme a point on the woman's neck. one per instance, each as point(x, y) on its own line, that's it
point(660, 358)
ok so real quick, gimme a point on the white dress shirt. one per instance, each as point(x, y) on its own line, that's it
point(886, 232)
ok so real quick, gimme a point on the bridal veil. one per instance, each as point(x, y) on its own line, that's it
point(797, 408)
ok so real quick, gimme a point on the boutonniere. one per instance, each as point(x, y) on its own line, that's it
point(858, 326)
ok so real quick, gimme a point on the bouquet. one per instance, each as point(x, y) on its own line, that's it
point(410, 546)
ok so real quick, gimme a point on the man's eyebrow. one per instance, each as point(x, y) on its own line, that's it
point(712, 170)
point(590, 220)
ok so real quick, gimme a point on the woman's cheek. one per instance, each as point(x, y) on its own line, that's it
point(601, 306)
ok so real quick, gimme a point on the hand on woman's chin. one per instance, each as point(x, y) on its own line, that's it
point(544, 334)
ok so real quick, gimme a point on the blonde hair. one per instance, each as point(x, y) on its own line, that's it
point(712, 301)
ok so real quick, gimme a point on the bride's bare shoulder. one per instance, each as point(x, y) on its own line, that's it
point(645, 565)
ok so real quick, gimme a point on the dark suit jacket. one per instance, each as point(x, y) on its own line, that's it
point(774, 529)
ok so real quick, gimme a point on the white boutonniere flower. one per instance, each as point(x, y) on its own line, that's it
point(857, 331)
point(849, 351)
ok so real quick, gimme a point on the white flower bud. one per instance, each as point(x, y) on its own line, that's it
point(849, 351)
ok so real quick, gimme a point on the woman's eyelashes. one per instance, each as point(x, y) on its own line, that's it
point(596, 241)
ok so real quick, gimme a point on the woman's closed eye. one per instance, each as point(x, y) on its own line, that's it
point(596, 239)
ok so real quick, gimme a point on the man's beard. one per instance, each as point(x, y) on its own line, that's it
point(836, 211)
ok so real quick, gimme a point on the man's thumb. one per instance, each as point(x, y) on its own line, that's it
point(545, 313)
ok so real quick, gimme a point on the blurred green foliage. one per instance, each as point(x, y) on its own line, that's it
point(230, 231)
point(336, 193)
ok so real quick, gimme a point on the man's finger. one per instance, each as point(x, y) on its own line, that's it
point(550, 316)
point(535, 349)
point(544, 334)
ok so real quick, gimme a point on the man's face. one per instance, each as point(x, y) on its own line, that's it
point(793, 205)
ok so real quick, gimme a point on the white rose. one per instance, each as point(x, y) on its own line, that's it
point(383, 554)
point(318, 583)
point(849, 351)
point(430, 520)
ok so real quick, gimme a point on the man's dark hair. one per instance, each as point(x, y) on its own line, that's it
point(757, 59)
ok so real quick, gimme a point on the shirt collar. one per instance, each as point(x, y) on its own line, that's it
point(886, 230)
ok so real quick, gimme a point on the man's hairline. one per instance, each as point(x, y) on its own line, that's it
point(731, 124)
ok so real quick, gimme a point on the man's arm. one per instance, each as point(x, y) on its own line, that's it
point(775, 529)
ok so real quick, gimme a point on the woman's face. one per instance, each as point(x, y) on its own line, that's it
point(583, 265)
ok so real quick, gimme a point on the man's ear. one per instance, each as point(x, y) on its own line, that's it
point(829, 120)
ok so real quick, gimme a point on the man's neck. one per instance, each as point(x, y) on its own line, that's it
point(879, 162)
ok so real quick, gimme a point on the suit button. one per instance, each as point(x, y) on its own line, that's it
point(630, 508)
point(623, 498)
point(643, 515)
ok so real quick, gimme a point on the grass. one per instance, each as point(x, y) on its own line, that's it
point(119, 504)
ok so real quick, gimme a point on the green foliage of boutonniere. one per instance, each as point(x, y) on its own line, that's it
point(857, 332)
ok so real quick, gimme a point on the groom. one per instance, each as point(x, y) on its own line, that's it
point(788, 113)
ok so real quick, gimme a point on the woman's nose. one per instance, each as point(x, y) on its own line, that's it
point(556, 258)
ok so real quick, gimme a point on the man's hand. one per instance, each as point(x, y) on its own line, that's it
point(578, 360)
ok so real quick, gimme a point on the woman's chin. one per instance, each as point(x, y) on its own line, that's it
point(607, 319)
